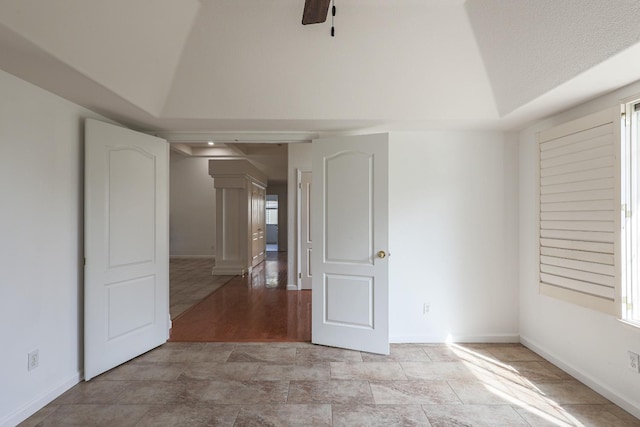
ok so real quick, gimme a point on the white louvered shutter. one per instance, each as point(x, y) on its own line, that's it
point(580, 211)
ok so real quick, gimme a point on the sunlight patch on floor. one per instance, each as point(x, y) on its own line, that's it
point(505, 382)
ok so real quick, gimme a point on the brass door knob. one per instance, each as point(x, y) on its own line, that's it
point(381, 254)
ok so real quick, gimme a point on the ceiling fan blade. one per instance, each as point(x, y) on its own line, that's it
point(315, 11)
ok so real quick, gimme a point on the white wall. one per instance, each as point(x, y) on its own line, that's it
point(299, 159)
point(41, 245)
point(193, 208)
point(453, 234)
point(453, 237)
point(590, 345)
point(192, 220)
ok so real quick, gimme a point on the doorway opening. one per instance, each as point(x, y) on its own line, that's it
point(256, 307)
point(271, 215)
point(248, 306)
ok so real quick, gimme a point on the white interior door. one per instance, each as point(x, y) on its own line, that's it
point(258, 225)
point(304, 232)
point(126, 245)
point(350, 306)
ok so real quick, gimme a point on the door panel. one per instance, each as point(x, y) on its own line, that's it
point(348, 193)
point(350, 281)
point(349, 300)
point(134, 297)
point(258, 225)
point(131, 178)
point(126, 245)
point(306, 245)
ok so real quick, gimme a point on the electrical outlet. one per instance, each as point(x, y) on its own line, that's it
point(33, 360)
point(634, 363)
point(426, 308)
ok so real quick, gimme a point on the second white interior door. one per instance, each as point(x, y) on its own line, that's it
point(350, 305)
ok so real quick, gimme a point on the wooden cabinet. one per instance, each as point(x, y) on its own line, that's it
point(240, 212)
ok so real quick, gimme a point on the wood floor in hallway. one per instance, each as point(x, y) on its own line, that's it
point(253, 308)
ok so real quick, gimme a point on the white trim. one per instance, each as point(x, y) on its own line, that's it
point(618, 142)
point(583, 377)
point(299, 236)
point(629, 309)
point(292, 287)
point(439, 339)
point(213, 257)
point(298, 229)
point(632, 98)
point(238, 137)
point(630, 324)
point(39, 402)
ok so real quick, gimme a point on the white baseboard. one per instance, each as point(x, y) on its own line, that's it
point(583, 377)
point(291, 287)
point(435, 339)
point(40, 401)
point(192, 257)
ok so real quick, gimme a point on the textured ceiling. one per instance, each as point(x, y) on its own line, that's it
point(532, 47)
point(215, 66)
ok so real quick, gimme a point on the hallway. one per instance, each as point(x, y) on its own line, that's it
point(252, 308)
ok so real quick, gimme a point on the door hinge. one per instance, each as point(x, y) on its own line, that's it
point(299, 275)
point(300, 185)
point(84, 261)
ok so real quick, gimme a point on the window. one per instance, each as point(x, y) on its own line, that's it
point(579, 211)
point(272, 212)
point(631, 224)
point(589, 209)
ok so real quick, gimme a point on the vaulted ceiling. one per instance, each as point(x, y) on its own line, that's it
point(230, 66)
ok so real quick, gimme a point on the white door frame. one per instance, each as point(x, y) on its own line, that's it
point(298, 228)
point(299, 234)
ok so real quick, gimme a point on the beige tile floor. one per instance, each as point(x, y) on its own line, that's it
point(226, 384)
point(190, 282)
